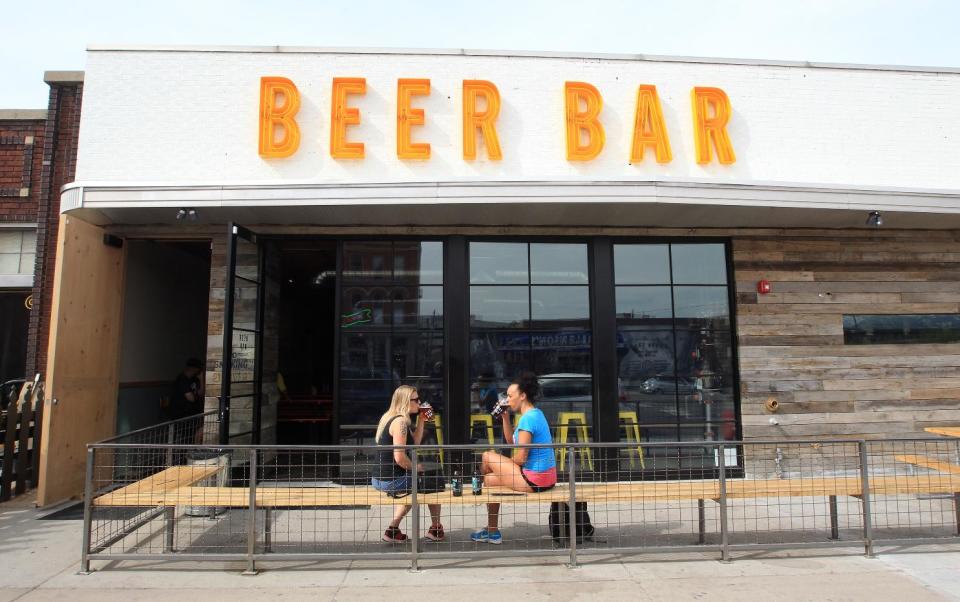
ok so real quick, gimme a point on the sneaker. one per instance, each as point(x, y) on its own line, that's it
point(435, 533)
point(394, 535)
point(485, 536)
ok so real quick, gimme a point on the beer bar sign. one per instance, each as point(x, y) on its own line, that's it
point(582, 121)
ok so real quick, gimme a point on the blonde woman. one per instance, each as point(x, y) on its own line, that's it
point(391, 472)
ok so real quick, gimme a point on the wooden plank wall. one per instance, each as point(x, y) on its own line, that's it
point(791, 340)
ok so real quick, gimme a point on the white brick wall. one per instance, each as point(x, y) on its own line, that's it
point(181, 116)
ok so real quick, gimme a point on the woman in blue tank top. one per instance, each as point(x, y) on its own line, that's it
point(530, 470)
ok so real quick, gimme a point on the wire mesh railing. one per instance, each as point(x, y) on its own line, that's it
point(180, 500)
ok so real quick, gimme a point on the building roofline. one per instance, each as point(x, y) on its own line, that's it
point(23, 114)
point(62, 77)
point(512, 53)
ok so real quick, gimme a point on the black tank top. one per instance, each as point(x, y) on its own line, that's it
point(386, 468)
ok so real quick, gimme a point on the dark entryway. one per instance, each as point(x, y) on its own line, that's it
point(307, 322)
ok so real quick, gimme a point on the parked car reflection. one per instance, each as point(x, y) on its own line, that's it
point(668, 383)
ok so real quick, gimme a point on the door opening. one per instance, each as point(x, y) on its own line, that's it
point(164, 324)
point(307, 335)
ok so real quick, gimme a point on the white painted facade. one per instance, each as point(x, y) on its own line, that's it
point(164, 126)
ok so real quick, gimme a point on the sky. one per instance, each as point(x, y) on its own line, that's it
point(53, 35)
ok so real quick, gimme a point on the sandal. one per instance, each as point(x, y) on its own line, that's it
point(435, 533)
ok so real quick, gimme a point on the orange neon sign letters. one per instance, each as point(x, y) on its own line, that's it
point(649, 128)
point(278, 117)
point(475, 119)
point(583, 123)
point(408, 116)
point(342, 115)
point(711, 112)
point(279, 133)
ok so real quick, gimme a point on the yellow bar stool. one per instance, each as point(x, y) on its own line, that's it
point(483, 420)
point(438, 427)
point(565, 419)
point(628, 421)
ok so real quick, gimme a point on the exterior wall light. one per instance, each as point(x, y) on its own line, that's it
point(188, 214)
point(874, 219)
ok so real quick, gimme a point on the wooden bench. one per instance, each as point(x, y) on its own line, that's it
point(177, 488)
point(931, 463)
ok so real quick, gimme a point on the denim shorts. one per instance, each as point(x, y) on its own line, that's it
point(392, 485)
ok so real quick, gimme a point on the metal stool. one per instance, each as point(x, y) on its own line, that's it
point(629, 422)
point(483, 420)
point(565, 419)
point(438, 427)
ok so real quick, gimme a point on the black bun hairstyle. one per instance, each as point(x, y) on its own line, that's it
point(528, 384)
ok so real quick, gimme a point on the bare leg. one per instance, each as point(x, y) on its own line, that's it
point(501, 472)
point(398, 513)
point(434, 514)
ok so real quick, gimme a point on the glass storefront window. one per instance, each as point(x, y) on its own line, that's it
point(698, 264)
point(674, 348)
point(641, 264)
point(530, 310)
point(499, 263)
point(391, 330)
point(552, 263)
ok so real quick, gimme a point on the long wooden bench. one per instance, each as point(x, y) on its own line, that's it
point(178, 488)
point(931, 463)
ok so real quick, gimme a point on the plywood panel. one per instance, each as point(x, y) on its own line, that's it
point(84, 356)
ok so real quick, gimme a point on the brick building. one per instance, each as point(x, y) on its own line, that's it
point(37, 157)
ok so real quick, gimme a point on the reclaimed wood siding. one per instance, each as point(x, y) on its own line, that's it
point(791, 340)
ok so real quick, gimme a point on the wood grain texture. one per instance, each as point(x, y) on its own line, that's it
point(790, 342)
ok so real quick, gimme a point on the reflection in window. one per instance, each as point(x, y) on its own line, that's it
point(674, 347)
point(391, 328)
point(498, 263)
point(698, 264)
point(530, 310)
point(552, 263)
point(900, 329)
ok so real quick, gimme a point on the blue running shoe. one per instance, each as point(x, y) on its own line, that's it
point(485, 536)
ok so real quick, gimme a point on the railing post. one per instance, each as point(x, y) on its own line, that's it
point(170, 443)
point(252, 516)
point(414, 513)
point(87, 514)
point(865, 499)
point(724, 534)
point(572, 507)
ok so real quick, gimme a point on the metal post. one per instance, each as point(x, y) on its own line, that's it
point(834, 527)
point(572, 507)
point(169, 519)
point(415, 514)
point(865, 499)
point(956, 510)
point(724, 533)
point(701, 523)
point(87, 515)
point(267, 530)
point(252, 516)
point(170, 443)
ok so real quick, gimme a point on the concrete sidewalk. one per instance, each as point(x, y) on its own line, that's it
point(39, 560)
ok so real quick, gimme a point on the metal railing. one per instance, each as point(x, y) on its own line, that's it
point(162, 500)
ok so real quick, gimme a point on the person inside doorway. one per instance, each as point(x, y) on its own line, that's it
point(530, 470)
point(391, 472)
point(186, 398)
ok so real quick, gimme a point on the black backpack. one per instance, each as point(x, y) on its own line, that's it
point(559, 521)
